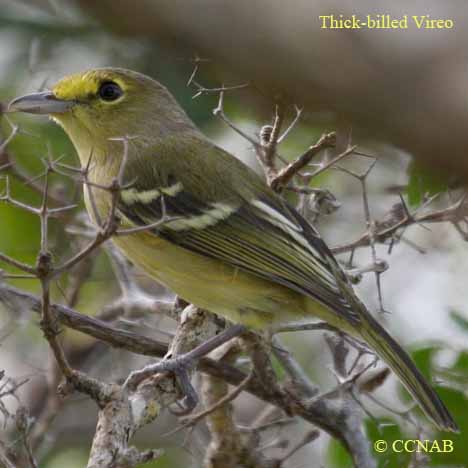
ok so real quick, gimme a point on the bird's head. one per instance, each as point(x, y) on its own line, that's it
point(99, 105)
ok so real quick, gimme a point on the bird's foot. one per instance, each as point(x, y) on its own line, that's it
point(190, 399)
point(182, 366)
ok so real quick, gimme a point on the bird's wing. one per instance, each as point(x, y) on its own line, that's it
point(262, 235)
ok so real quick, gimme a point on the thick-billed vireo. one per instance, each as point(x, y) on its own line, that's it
point(231, 245)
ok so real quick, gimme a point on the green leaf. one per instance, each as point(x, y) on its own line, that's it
point(381, 429)
point(461, 321)
point(337, 456)
point(456, 402)
point(423, 182)
point(385, 429)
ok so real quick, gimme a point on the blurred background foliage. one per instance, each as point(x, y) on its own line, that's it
point(42, 41)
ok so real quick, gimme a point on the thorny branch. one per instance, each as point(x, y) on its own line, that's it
point(284, 176)
point(401, 218)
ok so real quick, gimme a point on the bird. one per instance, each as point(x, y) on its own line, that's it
point(229, 243)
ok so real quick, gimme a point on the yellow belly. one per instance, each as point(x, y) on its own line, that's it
point(213, 285)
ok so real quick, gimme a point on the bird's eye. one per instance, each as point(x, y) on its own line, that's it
point(110, 91)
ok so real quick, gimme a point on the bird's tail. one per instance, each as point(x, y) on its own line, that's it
point(400, 362)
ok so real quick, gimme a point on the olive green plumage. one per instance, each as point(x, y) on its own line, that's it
point(231, 244)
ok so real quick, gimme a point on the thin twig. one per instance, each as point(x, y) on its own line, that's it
point(232, 395)
point(284, 176)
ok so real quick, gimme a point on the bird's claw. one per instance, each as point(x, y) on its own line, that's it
point(190, 400)
point(180, 366)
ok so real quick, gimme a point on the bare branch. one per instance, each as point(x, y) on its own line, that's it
point(291, 126)
point(328, 415)
point(232, 395)
point(284, 176)
point(452, 213)
point(219, 112)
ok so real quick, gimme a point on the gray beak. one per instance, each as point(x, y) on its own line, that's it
point(40, 103)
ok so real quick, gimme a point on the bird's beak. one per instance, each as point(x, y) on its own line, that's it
point(40, 103)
